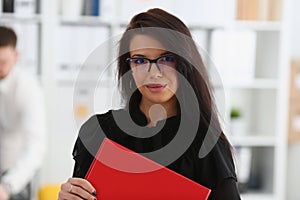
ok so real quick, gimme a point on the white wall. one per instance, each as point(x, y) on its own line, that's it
point(62, 133)
point(293, 174)
point(295, 29)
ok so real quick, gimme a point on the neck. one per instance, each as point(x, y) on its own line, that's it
point(155, 112)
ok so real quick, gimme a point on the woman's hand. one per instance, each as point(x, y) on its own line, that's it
point(77, 188)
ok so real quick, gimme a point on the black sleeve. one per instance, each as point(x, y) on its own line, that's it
point(86, 146)
point(226, 190)
point(82, 159)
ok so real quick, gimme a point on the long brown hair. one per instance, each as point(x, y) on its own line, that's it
point(195, 74)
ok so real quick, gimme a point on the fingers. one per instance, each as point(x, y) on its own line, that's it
point(84, 184)
point(77, 188)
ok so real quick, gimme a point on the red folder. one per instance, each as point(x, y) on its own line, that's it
point(119, 173)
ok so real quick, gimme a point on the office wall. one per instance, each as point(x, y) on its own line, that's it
point(295, 29)
point(293, 173)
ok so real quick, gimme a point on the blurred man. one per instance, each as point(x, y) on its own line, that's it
point(22, 123)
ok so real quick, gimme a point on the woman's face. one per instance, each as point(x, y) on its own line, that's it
point(157, 82)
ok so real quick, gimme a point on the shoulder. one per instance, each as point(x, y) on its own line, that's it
point(21, 77)
point(91, 135)
point(23, 82)
point(25, 92)
point(96, 122)
point(95, 129)
point(108, 116)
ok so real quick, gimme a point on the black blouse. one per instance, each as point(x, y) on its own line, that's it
point(215, 171)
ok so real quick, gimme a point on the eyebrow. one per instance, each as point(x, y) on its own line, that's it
point(143, 56)
point(138, 55)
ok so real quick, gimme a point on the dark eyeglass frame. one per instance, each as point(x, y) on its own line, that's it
point(129, 60)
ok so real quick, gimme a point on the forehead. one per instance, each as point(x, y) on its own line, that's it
point(6, 51)
point(145, 45)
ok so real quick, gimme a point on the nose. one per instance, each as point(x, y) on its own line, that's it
point(154, 71)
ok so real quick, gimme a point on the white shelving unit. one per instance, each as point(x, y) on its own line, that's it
point(254, 141)
point(259, 196)
point(264, 101)
point(264, 97)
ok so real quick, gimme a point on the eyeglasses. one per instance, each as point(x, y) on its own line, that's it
point(143, 65)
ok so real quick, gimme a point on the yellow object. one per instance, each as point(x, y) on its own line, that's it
point(49, 192)
point(81, 110)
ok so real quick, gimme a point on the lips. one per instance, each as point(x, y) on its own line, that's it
point(156, 87)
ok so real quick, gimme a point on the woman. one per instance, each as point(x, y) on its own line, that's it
point(166, 91)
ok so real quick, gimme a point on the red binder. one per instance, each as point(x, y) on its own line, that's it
point(117, 173)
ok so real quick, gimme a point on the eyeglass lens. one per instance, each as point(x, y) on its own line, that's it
point(144, 64)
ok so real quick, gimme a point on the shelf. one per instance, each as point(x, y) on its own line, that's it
point(256, 196)
point(105, 83)
point(253, 141)
point(258, 25)
point(251, 84)
point(11, 17)
point(205, 26)
point(84, 21)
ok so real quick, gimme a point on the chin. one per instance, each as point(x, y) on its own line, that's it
point(2, 75)
point(159, 99)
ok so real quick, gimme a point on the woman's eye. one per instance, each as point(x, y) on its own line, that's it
point(167, 59)
point(139, 61)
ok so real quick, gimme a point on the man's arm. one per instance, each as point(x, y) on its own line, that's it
point(32, 122)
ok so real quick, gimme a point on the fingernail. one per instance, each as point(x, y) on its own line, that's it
point(94, 193)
